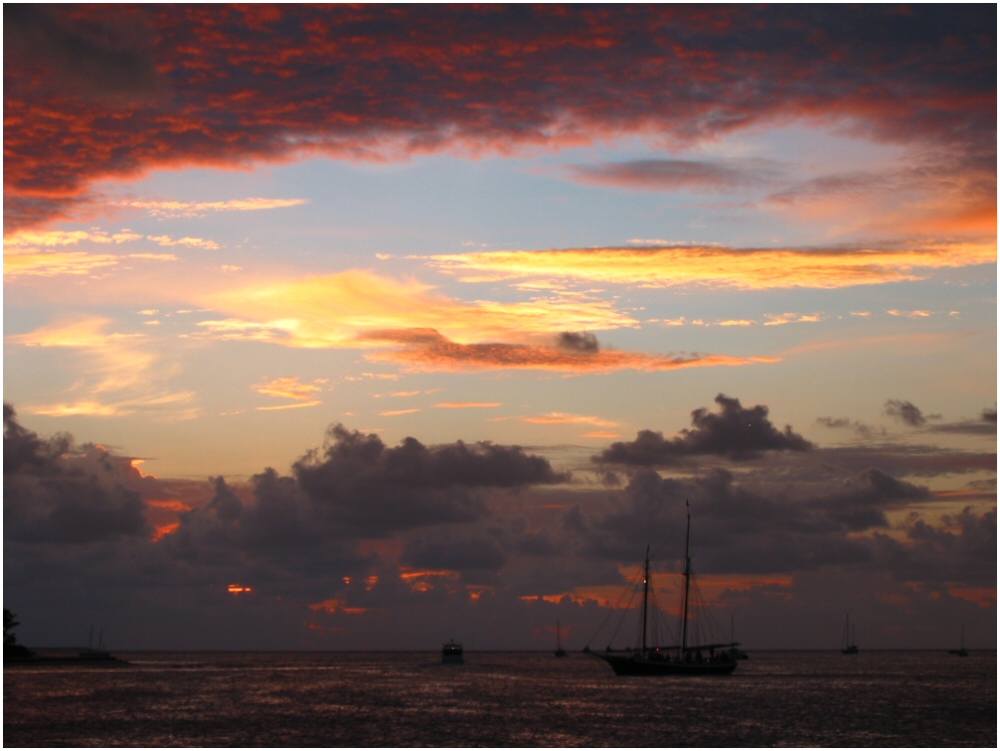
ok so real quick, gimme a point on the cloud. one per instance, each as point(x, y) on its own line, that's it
point(46, 501)
point(171, 209)
point(468, 405)
point(187, 242)
point(56, 264)
point(578, 342)
point(356, 485)
point(120, 373)
point(929, 196)
point(860, 428)
point(780, 319)
point(435, 353)
point(360, 309)
point(411, 326)
point(289, 387)
point(742, 529)
point(676, 174)
point(30, 253)
point(382, 534)
point(956, 551)
point(741, 268)
point(111, 61)
point(560, 418)
point(735, 432)
point(455, 555)
point(190, 86)
point(905, 412)
point(56, 238)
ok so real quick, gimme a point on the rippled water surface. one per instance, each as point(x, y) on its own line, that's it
point(502, 699)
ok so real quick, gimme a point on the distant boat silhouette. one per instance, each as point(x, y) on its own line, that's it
point(850, 643)
point(90, 656)
point(560, 652)
point(682, 659)
point(961, 651)
point(451, 653)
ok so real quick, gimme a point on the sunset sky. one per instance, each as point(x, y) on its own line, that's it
point(368, 327)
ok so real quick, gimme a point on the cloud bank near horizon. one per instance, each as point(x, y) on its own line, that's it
point(465, 521)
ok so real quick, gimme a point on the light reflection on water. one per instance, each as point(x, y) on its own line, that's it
point(502, 699)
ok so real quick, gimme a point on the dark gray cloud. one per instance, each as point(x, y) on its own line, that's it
point(109, 57)
point(903, 460)
point(677, 174)
point(735, 432)
point(860, 428)
point(961, 549)
point(578, 342)
point(48, 500)
point(23, 450)
point(467, 554)
point(350, 78)
point(747, 528)
point(368, 486)
point(378, 535)
point(907, 413)
point(967, 427)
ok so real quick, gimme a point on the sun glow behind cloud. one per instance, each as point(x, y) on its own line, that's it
point(411, 325)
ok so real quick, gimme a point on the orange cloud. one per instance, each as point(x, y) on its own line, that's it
point(289, 387)
point(984, 597)
point(442, 355)
point(299, 405)
point(28, 253)
point(163, 530)
point(328, 606)
point(75, 263)
point(910, 313)
point(780, 319)
point(334, 606)
point(468, 405)
point(743, 268)
point(55, 238)
point(559, 418)
point(117, 372)
point(175, 506)
point(356, 308)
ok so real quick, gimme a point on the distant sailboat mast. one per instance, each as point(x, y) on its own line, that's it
point(687, 579)
point(645, 601)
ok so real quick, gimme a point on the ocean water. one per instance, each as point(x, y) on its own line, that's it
point(390, 699)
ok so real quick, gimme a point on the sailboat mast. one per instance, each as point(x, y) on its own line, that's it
point(687, 579)
point(645, 600)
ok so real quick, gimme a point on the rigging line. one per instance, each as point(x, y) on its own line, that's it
point(630, 593)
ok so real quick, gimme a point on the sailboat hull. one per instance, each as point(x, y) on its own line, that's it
point(636, 665)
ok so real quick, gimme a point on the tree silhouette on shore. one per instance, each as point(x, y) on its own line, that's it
point(11, 649)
